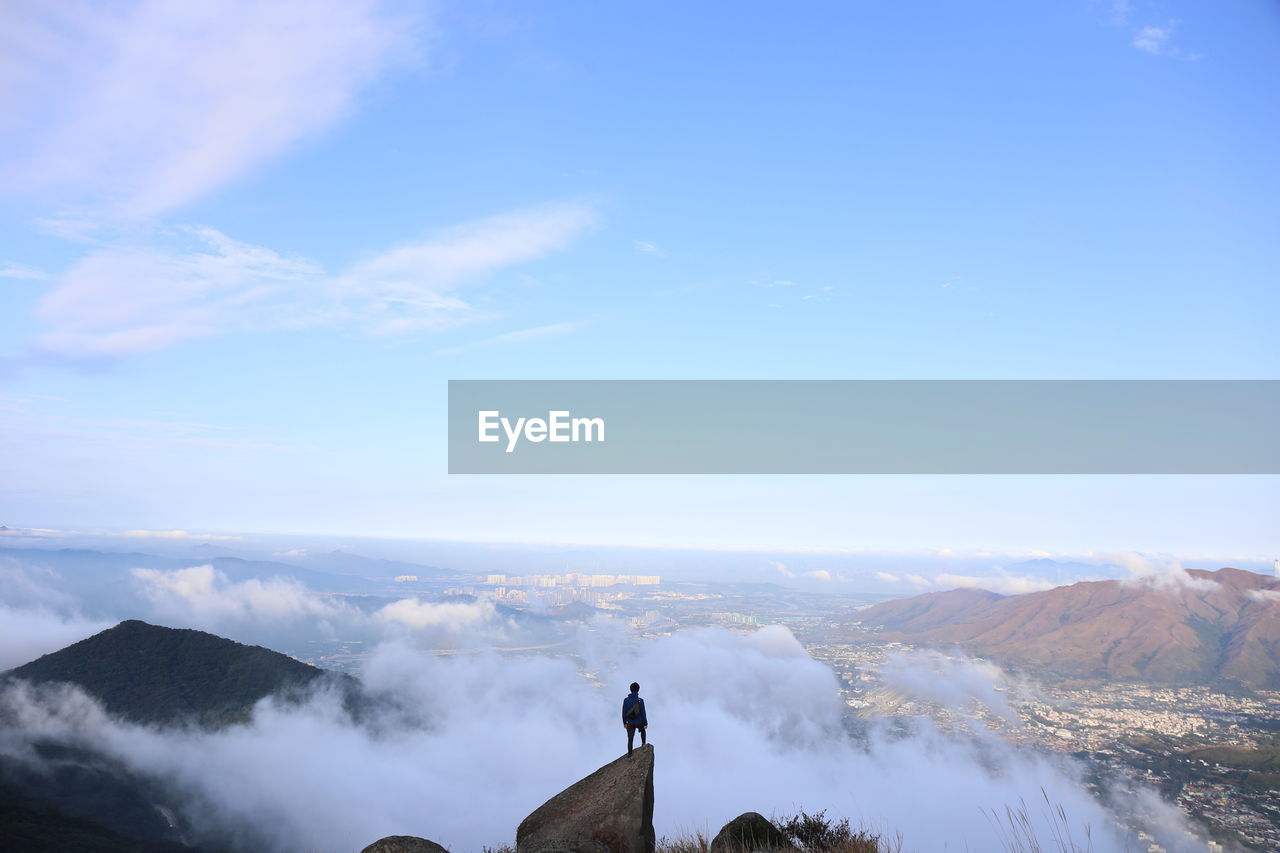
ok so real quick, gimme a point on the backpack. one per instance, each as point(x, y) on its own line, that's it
point(633, 713)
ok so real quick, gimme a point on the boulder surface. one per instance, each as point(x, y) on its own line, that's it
point(749, 831)
point(613, 806)
point(403, 844)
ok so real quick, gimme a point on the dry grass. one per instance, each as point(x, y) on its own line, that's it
point(810, 833)
point(696, 842)
point(1018, 833)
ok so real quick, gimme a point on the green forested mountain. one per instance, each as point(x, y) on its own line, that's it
point(152, 674)
point(74, 798)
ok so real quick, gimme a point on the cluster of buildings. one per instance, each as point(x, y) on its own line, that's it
point(601, 591)
point(1219, 804)
point(572, 580)
point(558, 596)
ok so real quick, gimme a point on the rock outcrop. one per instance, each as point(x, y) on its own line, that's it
point(749, 831)
point(613, 807)
point(403, 844)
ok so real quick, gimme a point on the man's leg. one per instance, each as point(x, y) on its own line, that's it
point(643, 729)
point(631, 737)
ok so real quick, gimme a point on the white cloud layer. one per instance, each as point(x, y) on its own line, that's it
point(469, 744)
point(202, 596)
point(453, 616)
point(137, 108)
point(205, 597)
point(952, 682)
point(1003, 582)
point(1159, 570)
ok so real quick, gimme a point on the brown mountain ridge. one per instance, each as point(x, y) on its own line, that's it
point(1199, 628)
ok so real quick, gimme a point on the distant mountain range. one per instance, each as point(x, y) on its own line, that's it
point(341, 562)
point(1217, 628)
point(105, 577)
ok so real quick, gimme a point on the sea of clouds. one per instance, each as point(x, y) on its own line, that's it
point(463, 746)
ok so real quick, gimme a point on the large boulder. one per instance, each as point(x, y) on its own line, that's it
point(571, 847)
point(403, 844)
point(612, 806)
point(749, 831)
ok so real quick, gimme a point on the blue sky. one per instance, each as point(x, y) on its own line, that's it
point(243, 246)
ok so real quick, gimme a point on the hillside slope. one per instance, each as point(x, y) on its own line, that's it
point(1218, 627)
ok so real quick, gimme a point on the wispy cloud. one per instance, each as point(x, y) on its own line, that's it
point(12, 270)
point(177, 535)
point(27, 424)
point(180, 535)
point(194, 282)
point(1156, 40)
point(1119, 12)
point(813, 575)
point(407, 289)
point(34, 532)
point(1151, 39)
point(134, 109)
point(130, 299)
point(537, 333)
point(648, 248)
point(1005, 583)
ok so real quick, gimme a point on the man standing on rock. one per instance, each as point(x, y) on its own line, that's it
point(634, 717)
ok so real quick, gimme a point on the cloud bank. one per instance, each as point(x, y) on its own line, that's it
point(465, 746)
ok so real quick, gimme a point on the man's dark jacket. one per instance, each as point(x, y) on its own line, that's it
point(640, 719)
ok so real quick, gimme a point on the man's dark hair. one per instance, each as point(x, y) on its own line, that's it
point(635, 687)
